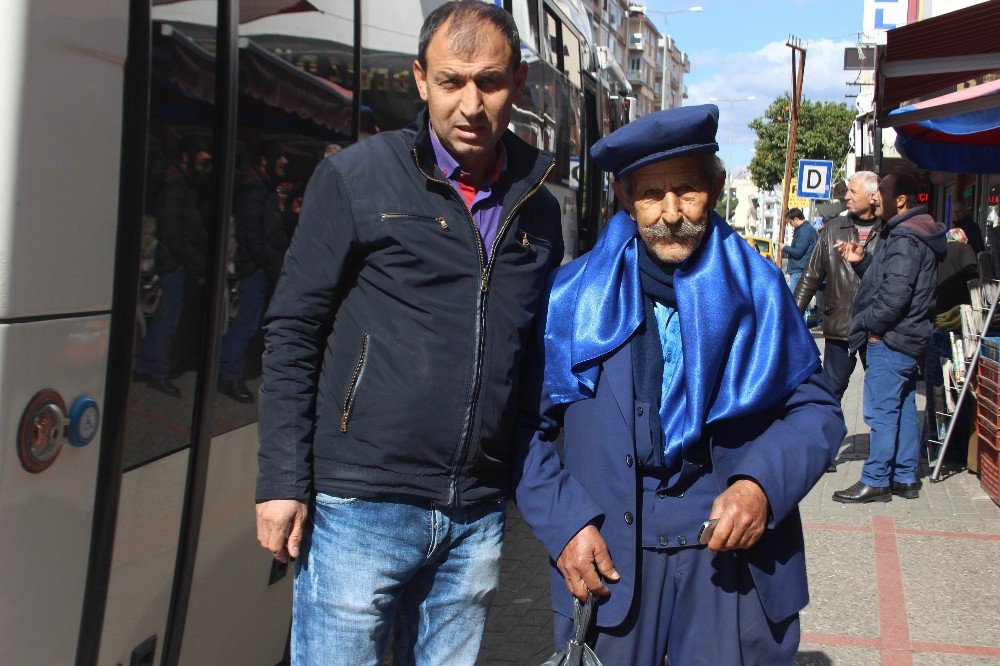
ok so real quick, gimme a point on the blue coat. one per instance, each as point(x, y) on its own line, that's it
point(786, 448)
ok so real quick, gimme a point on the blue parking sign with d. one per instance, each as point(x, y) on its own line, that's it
point(815, 179)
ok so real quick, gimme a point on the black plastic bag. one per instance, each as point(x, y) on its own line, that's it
point(577, 652)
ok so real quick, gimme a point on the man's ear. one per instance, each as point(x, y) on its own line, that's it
point(716, 191)
point(420, 76)
point(622, 196)
point(520, 78)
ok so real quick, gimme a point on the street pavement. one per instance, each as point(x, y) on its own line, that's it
point(908, 582)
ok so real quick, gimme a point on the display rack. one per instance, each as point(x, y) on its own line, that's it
point(963, 386)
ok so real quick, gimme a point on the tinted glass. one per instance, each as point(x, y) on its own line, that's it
point(176, 226)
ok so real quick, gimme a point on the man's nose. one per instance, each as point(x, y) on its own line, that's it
point(670, 208)
point(472, 99)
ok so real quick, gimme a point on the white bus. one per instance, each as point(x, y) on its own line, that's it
point(126, 497)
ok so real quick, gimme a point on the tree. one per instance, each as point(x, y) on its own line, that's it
point(823, 134)
point(720, 207)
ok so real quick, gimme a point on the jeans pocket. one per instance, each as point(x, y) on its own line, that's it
point(327, 499)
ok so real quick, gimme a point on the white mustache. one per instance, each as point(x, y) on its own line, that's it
point(663, 231)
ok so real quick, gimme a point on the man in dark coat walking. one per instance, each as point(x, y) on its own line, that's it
point(892, 317)
point(803, 242)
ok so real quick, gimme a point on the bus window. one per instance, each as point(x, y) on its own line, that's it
point(525, 14)
point(571, 56)
point(553, 53)
point(177, 221)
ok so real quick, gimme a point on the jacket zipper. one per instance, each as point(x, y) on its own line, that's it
point(355, 378)
point(439, 219)
point(481, 314)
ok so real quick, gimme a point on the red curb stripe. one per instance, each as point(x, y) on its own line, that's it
point(836, 528)
point(948, 535)
point(894, 625)
point(975, 650)
point(842, 641)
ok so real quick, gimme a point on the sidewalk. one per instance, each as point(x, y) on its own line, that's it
point(905, 582)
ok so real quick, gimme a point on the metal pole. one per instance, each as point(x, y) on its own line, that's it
point(796, 46)
point(729, 164)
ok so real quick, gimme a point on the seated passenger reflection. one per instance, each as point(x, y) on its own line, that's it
point(180, 259)
point(261, 243)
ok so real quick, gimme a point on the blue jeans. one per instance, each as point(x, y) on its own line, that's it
point(839, 364)
point(253, 292)
point(153, 356)
point(890, 411)
point(793, 279)
point(365, 562)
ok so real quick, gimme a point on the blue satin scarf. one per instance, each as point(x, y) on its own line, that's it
point(745, 344)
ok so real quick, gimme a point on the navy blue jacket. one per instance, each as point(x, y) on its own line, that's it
point(392, 348)
point(785, 448)
point(895, 299)
point(798, 253)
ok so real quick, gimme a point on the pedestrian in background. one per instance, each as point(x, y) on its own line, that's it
point(960, 219)
point(803, 242)
point(860, 225)
point(391, 364)
point(892, 317)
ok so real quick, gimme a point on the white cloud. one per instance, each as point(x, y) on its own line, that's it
point(765, 74)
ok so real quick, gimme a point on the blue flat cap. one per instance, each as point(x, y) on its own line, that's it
point(658, 136)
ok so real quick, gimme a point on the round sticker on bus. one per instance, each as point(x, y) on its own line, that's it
point(84, 419)
point(42, 431)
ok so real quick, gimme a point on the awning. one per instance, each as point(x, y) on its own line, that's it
point(957, 132)
point(251, 10)
point(932, 55)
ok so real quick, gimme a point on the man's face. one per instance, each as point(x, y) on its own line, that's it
point(280, 166)
point(202, 162)
point(957, 212)
point(469, 97)
point(885, 203)
point(858, 201)
point(670, 202)
point(796, 222)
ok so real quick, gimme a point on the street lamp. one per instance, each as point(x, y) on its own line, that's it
point(729, 164)
point(666, 60)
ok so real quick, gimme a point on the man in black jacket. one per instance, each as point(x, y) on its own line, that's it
point(860, 225)
point(261, 243)
point(180, 260)
point(960, 219)
point(391, 363)
point(892, 316)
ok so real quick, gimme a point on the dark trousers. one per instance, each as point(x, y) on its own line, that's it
point(253, 293)
point(153, 355)
point(694, 607)
point(839, 364)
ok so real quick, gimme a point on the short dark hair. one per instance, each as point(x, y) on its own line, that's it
point(191, 145)
point(795, 214)
point(270, 150)
point(901, 185)
point(464, 18)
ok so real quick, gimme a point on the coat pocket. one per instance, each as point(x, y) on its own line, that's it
point(402, 217)
point(352, 389)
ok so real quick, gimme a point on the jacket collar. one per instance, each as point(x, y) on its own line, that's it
point(526, 165)
point(902, 217)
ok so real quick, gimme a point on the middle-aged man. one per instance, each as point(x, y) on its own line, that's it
point(393, 343)
point(689, 389)
point(860, 225)
point(803, 242)
point(892, 317)
point(960, 219)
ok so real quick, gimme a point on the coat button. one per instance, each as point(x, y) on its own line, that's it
point(661, 493)
point(639, 411)
point(628, 518)
point(628, 459)
point(664, 541)
point(682, 541)
point(680, 494)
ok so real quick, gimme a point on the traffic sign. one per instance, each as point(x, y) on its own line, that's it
point(815, 178)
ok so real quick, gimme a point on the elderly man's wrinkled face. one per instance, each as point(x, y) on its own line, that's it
point(670, 201)
point(858, 200)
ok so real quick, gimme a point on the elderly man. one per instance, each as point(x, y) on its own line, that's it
point(860, 225)
point(689, 390)
point(392, 351)
point(960, 219)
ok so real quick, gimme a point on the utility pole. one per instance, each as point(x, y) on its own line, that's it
point(798, 71)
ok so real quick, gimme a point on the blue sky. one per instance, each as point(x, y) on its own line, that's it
point(737, 49)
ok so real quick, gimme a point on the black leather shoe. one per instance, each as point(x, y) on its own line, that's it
point(164, 386)
point(906, 490)
point(236, 390)
point(861, 493)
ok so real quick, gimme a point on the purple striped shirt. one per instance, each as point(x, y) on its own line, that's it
point(487, 202)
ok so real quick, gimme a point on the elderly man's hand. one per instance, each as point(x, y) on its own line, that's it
point(852, 252)
point(742, 514)
point(583, 562)
point(279, 526)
